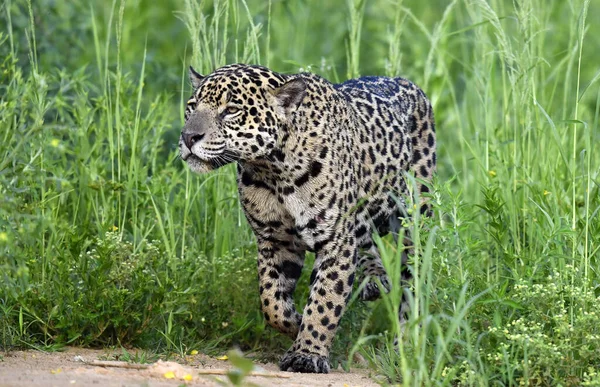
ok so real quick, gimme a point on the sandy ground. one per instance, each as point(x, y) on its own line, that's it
point(72, 368)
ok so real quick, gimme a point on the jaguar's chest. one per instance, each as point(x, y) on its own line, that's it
point(313, 220)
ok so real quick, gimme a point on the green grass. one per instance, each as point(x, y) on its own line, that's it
point(107, 239)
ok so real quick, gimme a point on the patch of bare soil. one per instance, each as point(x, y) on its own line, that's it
point(87, 367)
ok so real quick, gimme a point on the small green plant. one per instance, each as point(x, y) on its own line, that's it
point(242, 367)
point(555, 338)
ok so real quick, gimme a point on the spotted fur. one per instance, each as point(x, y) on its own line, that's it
point(320, 168)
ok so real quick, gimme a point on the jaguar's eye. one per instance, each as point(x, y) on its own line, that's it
point(230, 110)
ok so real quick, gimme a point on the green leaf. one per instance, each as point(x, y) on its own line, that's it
point(236, 357)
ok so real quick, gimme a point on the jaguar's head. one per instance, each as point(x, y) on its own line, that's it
point(236, 113)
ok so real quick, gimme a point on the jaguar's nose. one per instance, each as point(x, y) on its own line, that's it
point(189, 139)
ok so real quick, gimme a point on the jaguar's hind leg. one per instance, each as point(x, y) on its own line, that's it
point(372, 267)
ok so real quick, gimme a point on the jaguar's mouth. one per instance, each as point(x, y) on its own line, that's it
point(196, 164)
point(199, 164)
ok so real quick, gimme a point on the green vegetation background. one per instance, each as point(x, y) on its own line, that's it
point(107, 239)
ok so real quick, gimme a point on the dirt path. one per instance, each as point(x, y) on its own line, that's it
point(72, 368)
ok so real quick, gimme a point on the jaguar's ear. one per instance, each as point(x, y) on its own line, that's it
point(195, 78)
point(290, 94)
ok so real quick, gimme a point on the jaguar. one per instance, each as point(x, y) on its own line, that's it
point(321, 167)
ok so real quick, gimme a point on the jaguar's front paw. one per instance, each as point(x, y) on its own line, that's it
point(304, 362)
